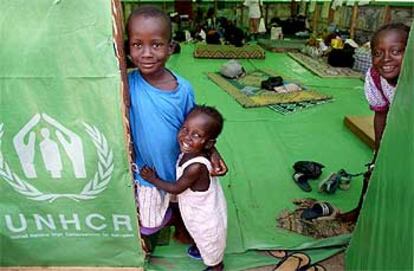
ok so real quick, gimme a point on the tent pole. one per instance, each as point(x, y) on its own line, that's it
point(353, 21)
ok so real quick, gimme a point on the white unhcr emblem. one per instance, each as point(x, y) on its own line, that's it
point(71, 142)
point(72, 146)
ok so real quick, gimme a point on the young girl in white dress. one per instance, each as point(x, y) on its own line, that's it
point(200, 197)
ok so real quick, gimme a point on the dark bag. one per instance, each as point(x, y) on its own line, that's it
point(342, 57)
point(234, 35)
point(213, 37)
point(272, 82)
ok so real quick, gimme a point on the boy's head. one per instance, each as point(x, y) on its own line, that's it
point(387, 46)
point(149, 39)
point(148, 11)
point(200, 129)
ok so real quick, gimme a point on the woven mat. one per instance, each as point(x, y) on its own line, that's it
point(247, 92)
point(323, 69)
point(292, 221)
point(289, 108)
point(228, 51)
point(281, 46)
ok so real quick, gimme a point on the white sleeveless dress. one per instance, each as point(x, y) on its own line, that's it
point(205, 215)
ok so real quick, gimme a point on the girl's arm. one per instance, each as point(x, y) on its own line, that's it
point(189, 177)
point(219, 167)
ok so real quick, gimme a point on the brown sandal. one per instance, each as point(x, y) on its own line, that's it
point(280, 254)
point(316, 267)
point(293, 262)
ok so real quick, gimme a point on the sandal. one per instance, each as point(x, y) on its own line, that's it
point(330, 184)
point(320, 211)
point(293, 262)
point(315, 267)
point(280, 254)
point(302, 181)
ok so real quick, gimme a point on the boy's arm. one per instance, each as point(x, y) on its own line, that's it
point(190, 175)
point(219, 167)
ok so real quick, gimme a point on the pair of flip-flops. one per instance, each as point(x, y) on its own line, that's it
point(320, 211)
point(297, 261)
point(305, 171)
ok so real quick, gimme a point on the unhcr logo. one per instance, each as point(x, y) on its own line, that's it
point(57, 225)
point(51, 148)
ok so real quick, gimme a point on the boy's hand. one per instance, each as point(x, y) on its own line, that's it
point(219, 167)
point(147, 173)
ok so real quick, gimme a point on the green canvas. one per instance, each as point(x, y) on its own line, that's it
point(260, 148)
point(66, 192)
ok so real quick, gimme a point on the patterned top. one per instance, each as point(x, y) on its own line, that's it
point(378, 91)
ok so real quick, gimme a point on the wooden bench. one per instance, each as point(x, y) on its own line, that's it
point(362, 127)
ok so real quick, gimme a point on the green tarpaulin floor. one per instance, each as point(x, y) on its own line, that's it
point(260, 147)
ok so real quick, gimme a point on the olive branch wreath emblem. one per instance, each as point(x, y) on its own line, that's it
point(95, 186)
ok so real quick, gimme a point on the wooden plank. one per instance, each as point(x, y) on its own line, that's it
point(315, 19)
point(353, 20)
point(293, 8)
point(387, 14)
point(362, 127)
point(331, 16)
point(118, 39)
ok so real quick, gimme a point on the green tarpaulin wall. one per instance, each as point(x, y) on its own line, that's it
point(66, 194)
point(383, 238)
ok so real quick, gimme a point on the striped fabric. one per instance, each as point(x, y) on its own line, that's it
point(152, 205)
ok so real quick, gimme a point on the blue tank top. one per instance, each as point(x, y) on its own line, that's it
point(156, 117)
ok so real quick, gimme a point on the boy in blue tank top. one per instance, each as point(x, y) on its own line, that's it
point(160, 101)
